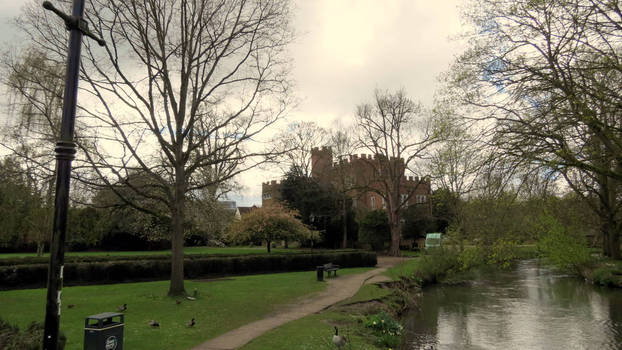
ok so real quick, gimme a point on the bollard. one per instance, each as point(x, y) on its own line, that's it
point(320, 272)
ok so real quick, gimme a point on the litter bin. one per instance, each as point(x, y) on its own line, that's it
point(320, 272)
point(103, 332)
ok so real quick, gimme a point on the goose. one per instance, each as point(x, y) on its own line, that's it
point(70, 306)
point(122, 308)
point(154, 324)
point(338, 340)
point(191, 323)
point(177, 301)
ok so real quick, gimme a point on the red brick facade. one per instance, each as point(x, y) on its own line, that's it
point(358, 174)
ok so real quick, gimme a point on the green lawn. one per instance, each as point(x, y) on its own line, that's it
point(222, 305)
point(404, 269)
point(313, 332)
point(187, 250)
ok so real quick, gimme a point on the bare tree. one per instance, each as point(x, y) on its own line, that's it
point(182, 88)
point(296, 143)
point(398, 132)
point(546, 75)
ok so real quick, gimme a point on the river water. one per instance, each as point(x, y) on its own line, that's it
point(529, 307)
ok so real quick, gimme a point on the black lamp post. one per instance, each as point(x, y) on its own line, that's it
point(65, 151)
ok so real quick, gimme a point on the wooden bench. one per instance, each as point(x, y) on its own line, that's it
point(330, 267)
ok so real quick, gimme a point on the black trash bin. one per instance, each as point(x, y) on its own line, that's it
point(320, 272)
point(104, 331)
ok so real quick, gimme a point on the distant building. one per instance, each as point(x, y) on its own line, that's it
point(245, 210)
point(360, 173)
point(230, 206)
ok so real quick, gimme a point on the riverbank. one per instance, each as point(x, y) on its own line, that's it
point(604, 272)
point(369, 319)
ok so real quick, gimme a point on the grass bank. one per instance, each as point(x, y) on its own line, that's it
point(221, 305)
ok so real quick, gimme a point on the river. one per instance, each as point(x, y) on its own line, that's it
point(528, 307)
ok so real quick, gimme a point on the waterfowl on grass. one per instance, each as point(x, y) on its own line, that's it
point(191, 323)
point(338, 340)
point(154, 324)
point(122, 308)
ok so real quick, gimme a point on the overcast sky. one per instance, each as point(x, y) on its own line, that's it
point(347, 48)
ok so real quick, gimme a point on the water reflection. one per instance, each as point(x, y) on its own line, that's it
point(530, 307)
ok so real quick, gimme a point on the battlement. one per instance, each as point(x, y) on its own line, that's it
point(271, 183)
point(325, 149)
point(353, 158)
point(410, 180)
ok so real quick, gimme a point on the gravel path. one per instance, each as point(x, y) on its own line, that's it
point(338, 289)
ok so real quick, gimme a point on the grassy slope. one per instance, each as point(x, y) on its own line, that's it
point(222, 305)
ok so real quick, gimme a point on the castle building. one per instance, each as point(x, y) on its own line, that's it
point(359, 175)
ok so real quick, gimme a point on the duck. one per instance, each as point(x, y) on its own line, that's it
point(191, 323)
point(177, 301)
point(339, 340)
point(122, 308)
point(154, 324)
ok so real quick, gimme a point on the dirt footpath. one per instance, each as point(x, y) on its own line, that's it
point(338, 289)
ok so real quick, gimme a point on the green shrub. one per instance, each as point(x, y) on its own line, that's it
point(385, 328)
point(604, 276)
point(563, 249)
point(503, 253)
point(30, 339)
point(471, 257)
point(437, 263)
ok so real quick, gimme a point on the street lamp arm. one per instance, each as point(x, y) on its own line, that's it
point(73, 22)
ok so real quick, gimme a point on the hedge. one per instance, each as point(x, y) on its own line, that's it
point(80, 273)
point(31, 260)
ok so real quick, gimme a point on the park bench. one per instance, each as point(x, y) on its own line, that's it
point(330, 267)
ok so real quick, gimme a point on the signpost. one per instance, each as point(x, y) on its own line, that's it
point(65, 151)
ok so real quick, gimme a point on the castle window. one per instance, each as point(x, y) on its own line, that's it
point(267, 195)
point(404, 198)
point(384, 204)
point(373, 202)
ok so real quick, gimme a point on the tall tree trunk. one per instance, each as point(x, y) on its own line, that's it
point(395, 239)
point(344, 212)
point(177, 236)
point(269, 244)
point(393, 209)
point(614, 245)
point(604, 230)
point(40, 248)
